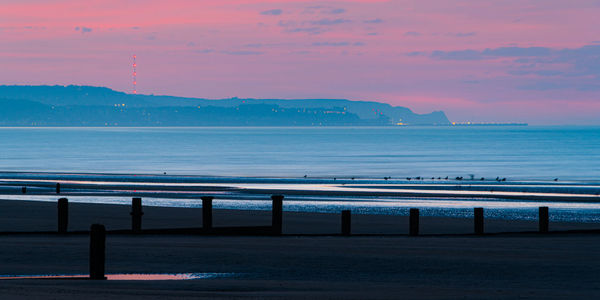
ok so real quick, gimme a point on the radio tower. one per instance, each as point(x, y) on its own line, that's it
point(134, 76)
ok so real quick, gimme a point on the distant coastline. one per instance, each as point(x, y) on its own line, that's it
point(87, 106)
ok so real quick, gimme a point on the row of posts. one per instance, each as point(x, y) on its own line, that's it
point(137, 213)
point(277, 217)
point(478, 221)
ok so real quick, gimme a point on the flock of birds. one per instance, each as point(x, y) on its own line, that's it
point(438, 178)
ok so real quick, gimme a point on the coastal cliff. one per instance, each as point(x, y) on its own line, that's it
point(100, 106)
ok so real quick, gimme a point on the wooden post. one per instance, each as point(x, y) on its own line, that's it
point(97, 251)
point(478, 220)
point(544, 219)
point(207, 212)
point(277, 214)
point(346, 222)
point(136, 215)
point(63, 215)
point(413, 227)
point(58, 188)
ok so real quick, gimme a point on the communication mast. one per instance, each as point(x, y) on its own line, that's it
point(134, 76)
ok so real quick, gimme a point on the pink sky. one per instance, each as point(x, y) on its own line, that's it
point(472, 59)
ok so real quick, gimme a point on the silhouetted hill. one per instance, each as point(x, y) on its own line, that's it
point(99, 106)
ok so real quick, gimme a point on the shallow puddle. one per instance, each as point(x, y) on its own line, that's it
point(164, 276)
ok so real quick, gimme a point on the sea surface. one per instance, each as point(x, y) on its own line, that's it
point(530, 158)
point(517, 153)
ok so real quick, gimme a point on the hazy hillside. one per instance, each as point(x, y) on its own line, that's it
point(99, 106)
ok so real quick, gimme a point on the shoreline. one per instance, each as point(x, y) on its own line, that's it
point(172, 186)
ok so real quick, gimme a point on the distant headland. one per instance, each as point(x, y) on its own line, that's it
point(100, 106)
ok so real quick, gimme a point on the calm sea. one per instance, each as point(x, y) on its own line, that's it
point(513, 152)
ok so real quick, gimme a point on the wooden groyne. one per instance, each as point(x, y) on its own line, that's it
point(276, 228)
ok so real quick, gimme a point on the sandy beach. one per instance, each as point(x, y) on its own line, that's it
point(505, 266)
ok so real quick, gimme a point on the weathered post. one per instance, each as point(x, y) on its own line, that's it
point(544, 219)
point(207, 212)
point(97, 251)
point(277, 214)
point(58, 188)
point(24, 190)
point(63, 215)
point(346, 222)
point(136, 215)
point(478, 220)
point(413, 227)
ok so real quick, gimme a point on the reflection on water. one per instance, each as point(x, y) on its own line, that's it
point(434, 207)
point(165, 276)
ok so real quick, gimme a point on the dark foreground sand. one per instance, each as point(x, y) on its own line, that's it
point(292, 267)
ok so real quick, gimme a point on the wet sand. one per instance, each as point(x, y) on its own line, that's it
point(298, 267)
